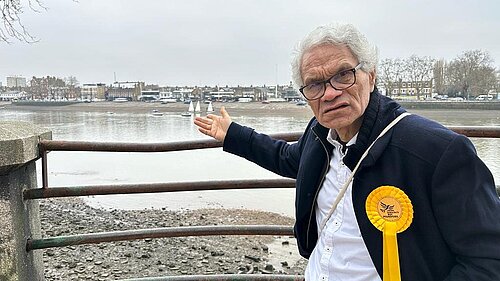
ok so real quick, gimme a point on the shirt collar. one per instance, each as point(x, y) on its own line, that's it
point(332, 138)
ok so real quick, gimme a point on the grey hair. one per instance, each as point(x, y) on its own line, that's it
point(339, 35)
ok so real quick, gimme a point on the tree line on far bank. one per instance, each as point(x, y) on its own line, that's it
point(468, 75)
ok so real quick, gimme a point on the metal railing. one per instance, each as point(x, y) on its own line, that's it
point(61, 241)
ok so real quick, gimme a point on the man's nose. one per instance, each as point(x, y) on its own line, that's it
point(330, 93)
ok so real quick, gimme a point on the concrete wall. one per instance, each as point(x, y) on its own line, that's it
point(19, 219)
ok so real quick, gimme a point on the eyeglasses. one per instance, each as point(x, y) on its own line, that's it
point(339, 81)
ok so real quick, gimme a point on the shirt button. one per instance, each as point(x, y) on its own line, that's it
point(328, 249)
point(324, 278)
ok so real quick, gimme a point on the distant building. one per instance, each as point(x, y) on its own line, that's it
point(50, 88)
point(271, 92)
point(406, 88)
point(39, 88)
point(129, 90)
point(290, 94)
point(12, 95)
point(183, 94)
point(149, 95)
point(16, 82)
point(166, 95)
point(93, 91)
point(60, 93)
point(221, 95)
point(247, 92)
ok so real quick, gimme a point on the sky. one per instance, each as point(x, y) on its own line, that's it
point(231, 42)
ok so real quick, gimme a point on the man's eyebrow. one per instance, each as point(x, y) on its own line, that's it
point(343, 67)
point(313, 79)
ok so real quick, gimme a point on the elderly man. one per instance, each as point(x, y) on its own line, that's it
point(360, 149)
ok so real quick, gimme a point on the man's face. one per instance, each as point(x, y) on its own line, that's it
point(339, 110)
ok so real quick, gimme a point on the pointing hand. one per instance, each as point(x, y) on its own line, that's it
point(213, 125)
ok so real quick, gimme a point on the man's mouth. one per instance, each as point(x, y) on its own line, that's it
point(336, 107)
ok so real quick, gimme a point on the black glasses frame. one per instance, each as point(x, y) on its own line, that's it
point(329, 81)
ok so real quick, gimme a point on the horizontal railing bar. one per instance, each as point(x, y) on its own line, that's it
point(477, 131)
point(40, 193)
point(224, 277)
point(53, 145)
point(164, 232)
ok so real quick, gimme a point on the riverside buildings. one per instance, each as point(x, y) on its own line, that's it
point(93, 92)
point(16, 82)
point(50, 88)
point(411, 88)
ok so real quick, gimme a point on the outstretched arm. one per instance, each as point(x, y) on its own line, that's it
point(213, 125)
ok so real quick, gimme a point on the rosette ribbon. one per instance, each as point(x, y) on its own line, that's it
point(390, 211)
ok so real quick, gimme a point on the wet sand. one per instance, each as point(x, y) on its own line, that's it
point(234, 108)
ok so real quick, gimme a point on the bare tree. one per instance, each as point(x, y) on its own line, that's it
point(440, 76)
point(497, 84)
point(472, 73)
point(72, 84)
point(390, 73)
point(71, 81)
point(11, 25)
point(419, 71)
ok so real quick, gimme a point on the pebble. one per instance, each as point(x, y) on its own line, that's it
point(154, 257)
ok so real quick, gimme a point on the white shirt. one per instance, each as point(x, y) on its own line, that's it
point(340, 253)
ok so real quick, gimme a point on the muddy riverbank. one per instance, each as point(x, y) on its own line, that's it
point(234, 108)
point(163, 256)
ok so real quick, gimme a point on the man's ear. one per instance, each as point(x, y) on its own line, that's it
point(372, 76)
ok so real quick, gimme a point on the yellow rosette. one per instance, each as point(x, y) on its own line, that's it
point(390, 211)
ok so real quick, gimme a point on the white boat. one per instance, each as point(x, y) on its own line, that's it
point(245, 99)
point(190, 110)
point(210, 107)
point(120, 100)
point(301, 103)
point(168, 100)
point(273, 100)
point(198, 107)
point(191, 107)
point(155, 112)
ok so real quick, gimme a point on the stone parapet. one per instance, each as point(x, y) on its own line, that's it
point(19, 143)
point(19, 219)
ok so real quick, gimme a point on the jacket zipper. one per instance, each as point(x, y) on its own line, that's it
point(325, 170)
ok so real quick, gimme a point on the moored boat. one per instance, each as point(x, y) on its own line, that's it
point(198, 107)
point(210, 108)
point(155, 112)
point(190, 110)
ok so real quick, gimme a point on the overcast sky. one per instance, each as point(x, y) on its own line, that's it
point(231, 42)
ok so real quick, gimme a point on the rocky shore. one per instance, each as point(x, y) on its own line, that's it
point(166, 256)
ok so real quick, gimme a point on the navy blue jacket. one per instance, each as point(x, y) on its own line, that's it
point(455, 233)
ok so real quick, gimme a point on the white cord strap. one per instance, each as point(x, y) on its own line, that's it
point(346, 184)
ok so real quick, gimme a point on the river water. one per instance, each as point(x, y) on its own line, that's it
point(93, 168)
